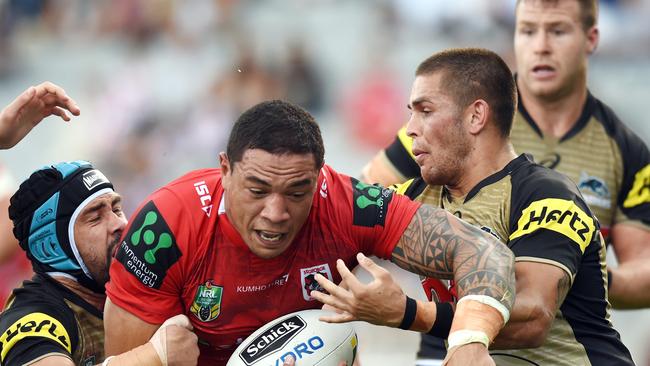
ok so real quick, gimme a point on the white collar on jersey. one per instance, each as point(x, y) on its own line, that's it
point(222, 205)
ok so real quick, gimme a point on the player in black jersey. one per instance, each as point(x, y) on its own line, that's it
point(68, 220)
point(462, 104)
point(567, 129)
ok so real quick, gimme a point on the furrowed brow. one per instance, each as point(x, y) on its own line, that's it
point(300, 183)
point(257, 180)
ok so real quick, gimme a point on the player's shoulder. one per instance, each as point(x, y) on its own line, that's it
point(529, 178)
point(185, 184)
point(189, 198)
point(412, 188)
point(615, 127)
point(38, 310)
point(39, 292)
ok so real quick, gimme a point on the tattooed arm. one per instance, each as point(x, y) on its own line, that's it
point(438, 244)
point(435, 244)
point(468, 255)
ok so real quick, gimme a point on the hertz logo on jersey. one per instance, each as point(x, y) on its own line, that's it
point(34, 325)
point(562, 216)
point(640, 192)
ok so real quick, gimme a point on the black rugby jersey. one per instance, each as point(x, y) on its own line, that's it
point(542, 217)
point(43, 318)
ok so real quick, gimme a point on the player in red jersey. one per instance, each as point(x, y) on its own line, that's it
point(236, 247)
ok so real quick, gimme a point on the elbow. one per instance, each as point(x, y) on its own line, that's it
point(535, 331)
point(535, 338)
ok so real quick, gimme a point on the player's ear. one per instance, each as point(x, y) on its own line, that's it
point(226, 170)
point(477, 115)
point(224, 163)
point(593, 36)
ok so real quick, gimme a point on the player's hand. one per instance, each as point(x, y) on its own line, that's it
point(29, 108)
point(175, 343)
point(474, 354)
point(289, 361)
point(380, 302)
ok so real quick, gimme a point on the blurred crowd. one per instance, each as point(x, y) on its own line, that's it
point(162, 80)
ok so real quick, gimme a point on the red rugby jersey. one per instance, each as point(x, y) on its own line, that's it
point(180, 254)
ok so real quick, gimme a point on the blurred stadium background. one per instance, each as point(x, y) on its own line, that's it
point(160, 82)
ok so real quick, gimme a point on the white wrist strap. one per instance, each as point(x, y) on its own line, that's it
point(490, 301)
point(107, 360)
point(465, 336)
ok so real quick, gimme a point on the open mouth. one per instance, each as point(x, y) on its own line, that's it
point(270, 236)
point(543, 70)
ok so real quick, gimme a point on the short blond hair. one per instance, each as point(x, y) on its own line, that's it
point(588, 10)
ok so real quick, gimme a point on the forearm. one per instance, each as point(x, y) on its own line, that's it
point(522, 330)
point(630, 285)
point(425, 316)
point(141, 355)
point(437, 244)
point(124, 331)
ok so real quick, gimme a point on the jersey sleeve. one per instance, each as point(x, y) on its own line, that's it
point(550, 222)
point(371, 216)
point(634, 196)
point(29, 333)
point(399, 156)
point(146, 276)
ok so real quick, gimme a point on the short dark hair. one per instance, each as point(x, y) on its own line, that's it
point(474, 73)
point(277, 127)
point(588, 10)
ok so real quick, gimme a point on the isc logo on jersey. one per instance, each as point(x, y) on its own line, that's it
point(34, 325)
point(562, 216)
point(301, 335)
point(204, 196)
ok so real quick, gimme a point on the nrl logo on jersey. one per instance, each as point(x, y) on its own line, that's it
point(594, 190)
point(308, 279)
point(207, 302)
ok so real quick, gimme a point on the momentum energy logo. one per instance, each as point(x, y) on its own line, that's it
point(561, 216)
point(273, 339)
point(149, 248)
point(370, 204)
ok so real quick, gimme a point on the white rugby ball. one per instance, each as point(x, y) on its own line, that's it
point(310, 341)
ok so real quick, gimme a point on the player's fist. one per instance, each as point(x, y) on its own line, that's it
point(175, 343)
point(474, 354)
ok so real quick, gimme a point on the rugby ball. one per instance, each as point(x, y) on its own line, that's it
point(310, 341)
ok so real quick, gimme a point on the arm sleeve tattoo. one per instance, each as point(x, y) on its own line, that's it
point(437, 244)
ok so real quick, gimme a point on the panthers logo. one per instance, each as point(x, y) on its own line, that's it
point(594, 184)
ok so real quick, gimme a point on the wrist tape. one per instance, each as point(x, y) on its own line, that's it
point(491, 301)
point(465, 336)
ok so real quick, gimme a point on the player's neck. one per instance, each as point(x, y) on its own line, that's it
point(555, 116)
point(487, 158)
point(91, 297)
